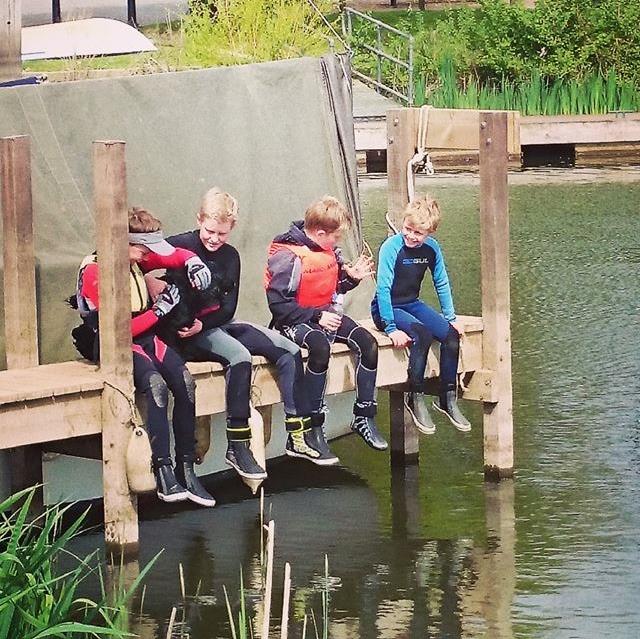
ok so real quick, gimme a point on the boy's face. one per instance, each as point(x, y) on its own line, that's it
point(412, 235)
point(213, 234)
point(137, 253)
point(325, 239)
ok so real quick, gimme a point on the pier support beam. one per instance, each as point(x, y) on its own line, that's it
point(496, 303)
point(20, 314)
point(405, 445)
point(10, 40)
point(402, 131)
point(116, 362)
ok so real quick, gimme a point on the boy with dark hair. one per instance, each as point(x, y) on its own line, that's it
point(304, 275)
point(156, 367)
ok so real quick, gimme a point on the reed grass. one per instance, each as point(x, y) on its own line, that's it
point(37, 598)
point(536, 96)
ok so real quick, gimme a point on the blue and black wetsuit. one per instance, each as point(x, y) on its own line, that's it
point(396, 306)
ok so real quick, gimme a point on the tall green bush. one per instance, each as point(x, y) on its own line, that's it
point(558, 39)
point(245, 31)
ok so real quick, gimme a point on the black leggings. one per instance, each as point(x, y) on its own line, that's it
point(156, 370)
point(232, 345)
point(315, 339)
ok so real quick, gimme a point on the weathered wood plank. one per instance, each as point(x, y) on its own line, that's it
point(496, 309)
point(21, 334)
point(10, 39)
point(402, 129)
point(43, 420)
point(116, 364)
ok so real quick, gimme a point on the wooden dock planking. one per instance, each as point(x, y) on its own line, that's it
point(62, 401)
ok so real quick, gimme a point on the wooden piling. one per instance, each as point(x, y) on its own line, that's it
point(10, 40)
point(20, 314)
point(405, 446)
point(21, 334)
point(496, 309)
point(402, 131)
point(116, 364)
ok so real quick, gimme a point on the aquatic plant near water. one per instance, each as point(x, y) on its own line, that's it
point(38, 599)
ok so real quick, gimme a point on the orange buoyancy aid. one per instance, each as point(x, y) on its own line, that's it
point(318, 276)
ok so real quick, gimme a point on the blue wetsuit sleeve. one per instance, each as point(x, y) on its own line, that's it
point(441, 283)
point(386, 274)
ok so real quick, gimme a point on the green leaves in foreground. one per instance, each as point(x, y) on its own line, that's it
point(37, 598)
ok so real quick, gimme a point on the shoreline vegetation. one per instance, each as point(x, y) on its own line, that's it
point(39, 596)
point(562, 57)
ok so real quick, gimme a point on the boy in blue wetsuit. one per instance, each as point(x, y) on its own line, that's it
point(396, 309)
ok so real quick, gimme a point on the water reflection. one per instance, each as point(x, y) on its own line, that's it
point(431, 550)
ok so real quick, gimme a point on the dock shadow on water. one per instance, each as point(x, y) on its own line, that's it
point(432, 550)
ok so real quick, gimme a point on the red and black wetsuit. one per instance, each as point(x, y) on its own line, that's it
point(156, 367)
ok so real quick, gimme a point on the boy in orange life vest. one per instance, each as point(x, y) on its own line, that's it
point(305, 271)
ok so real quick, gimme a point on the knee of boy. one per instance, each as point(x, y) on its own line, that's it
point(159, 390)
point(368, 346)
point(453, 338)
point(421, 335)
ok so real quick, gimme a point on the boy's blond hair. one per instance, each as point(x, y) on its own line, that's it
point(326, 214)
point(218, 205)
point(423, 213)
point(142, 221)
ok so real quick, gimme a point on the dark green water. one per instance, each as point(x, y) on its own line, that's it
point(433, 551)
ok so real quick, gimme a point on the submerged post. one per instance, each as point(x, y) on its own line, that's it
point(20, 311)
point(496, 305)
point(10, 40)
point(116, 363)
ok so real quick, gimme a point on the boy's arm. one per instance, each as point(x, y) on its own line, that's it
point(386, 273)
point(442, 285)
point(215, 316)
point(139, 324)
point(177, 259)
point(284, 267)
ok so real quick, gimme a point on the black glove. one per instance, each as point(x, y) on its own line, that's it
point(166, 300)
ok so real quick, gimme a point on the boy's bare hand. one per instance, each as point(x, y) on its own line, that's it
point(192, 330)
point(330, 321)
point(155, 285)
point(399, 339)
point(361, 268)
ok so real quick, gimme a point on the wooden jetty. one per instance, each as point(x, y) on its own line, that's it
point(86, 410)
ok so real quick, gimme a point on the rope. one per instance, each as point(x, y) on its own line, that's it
point(136, 420)
point(421, 161)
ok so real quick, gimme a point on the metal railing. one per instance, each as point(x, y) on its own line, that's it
point(378, 50)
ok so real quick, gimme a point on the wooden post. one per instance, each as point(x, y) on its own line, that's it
point(21, 334)
point(405, 448)
point(55, 11)
point(496, 310)
point(10, 40)
point(402, 129)
point(110, 192)
point(20, 312)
